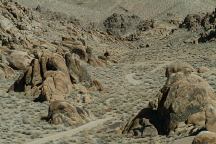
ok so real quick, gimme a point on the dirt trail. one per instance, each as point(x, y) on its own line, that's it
point(71, 132)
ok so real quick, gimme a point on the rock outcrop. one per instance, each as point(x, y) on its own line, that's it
point(66, 113)
point(51, 53)
point(185, 97)
point(204, 23)
point(205, 137)
point(122, 25)
point(19, 60)
point(52, 75)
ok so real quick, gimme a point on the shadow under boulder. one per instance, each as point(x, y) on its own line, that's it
point(143, 124)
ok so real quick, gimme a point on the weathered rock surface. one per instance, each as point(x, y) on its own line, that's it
point(19, 60)
point(121, 25)
point(193, 22)
point(205, 137)
point(204, 23)
point(210, 114)
point(56, 86)
point(6, 71)
point(185, 97)
point(66, 113)
point(49, 74)
point(77, 72)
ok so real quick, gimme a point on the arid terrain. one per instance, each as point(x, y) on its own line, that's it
point(104, 61)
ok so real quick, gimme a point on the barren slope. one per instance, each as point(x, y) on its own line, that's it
point(129, 84)
point(98, 10)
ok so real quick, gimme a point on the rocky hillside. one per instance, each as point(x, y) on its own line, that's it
point(107, 72)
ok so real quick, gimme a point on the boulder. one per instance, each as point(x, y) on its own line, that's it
point(197, 119)
point(63, 112)
point(53, 62)
point(205, 137)
point(77, 72)
point(201, 22)
point(56, 86)
point(202, 69)
point(179, 66)
point(5, 24)
point(36, 73)
point(47, 76)
point(19, 60)
point(184, 95)
point(97, 85)
point(210, 115)
point(192, 22)
point(122, 25)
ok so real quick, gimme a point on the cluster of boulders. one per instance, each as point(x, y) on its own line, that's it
point(126, 26)
point(186, 105)
point(51, 68)
point(52, 77)
point(205, 23)
point(16, 22)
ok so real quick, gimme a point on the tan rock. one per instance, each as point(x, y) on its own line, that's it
point(6, 71)
point(205, 137)
point(2, 74)
point(57, 62)
point(183, 96)
point(97, 85)
point(66, 113)
point(179, 66)
point(56, 86)
point(19, 60)
point(211, 117)
point(197, 119)
point(78, 73)
point(202, 69)
point(36, 73)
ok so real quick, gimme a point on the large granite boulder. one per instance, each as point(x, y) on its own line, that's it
point(205, 137)
point(19, 60)
point(66, 113)
point(185, 98)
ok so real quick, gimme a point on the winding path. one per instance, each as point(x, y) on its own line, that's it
point(56, 136)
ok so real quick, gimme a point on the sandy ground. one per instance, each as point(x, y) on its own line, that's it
point(129, 84)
